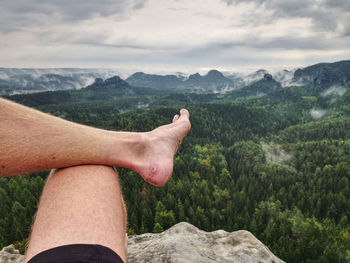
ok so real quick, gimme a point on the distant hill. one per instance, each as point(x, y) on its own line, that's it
point(19, 81)
point(166, 82)
point(110, 89)
point(325, 75)
point(213, 81)
point(259, 88)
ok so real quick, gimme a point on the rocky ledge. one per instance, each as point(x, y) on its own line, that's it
point(184, 243)
point(10, 255)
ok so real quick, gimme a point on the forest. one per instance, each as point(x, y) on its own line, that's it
point(262, 164)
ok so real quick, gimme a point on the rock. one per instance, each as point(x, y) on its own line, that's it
point(10, 255)
point(267, 77)
point(184, 243)
point(110, 83)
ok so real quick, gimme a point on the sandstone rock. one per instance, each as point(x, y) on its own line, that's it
point(267, 77)
point(10, 255)
point(184, 243)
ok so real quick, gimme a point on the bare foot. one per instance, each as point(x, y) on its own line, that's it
point(155, 162)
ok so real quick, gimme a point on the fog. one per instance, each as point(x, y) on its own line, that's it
point(317, 113)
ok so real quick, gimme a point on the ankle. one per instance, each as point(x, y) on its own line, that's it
point(124, 148)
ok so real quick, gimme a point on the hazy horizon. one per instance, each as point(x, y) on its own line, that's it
point(124, 73)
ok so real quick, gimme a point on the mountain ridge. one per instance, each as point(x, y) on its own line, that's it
point(19, 81)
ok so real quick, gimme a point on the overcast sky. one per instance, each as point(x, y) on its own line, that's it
point(173, 35)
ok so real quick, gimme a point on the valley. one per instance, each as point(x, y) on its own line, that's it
point(267, 153)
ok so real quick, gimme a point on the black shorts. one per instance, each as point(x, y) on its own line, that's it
point(77, 253)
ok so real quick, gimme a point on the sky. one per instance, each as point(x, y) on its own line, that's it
point(158, 36)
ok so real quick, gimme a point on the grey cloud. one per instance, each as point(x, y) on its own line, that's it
point(97, 40)
point(20, 14)
point(325, 14)
point(346, 25)
point(307, 43)
point(347, 30)
point(138, 4)
point(119, 45)
point(269, 45)
point(341, 4)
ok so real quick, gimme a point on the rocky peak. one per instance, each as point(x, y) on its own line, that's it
point(187, 244)
point(138, 74)
point(10, 255)
point(214, 74)
point(261, 71)
point(154, 81)
point(267, 77)
point(184, 243)
point(195, 76)
point(113, 82)
point(98, 81)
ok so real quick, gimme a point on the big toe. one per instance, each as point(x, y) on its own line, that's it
point(184, 113)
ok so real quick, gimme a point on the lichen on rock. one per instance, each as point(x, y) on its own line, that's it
point(184, 243)
point(10, 255)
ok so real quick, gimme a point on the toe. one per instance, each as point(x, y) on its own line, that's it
point(184, 113)
point(176, 117)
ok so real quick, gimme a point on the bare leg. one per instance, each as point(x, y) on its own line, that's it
point(49, 142)
point(80, 205)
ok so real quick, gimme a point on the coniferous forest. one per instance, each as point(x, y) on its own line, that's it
point(259, 163)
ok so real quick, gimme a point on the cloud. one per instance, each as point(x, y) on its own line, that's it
point(302, 43)
point(149, 34)
point(288, 42)
point(22, 14)
point(326, 15)
point(343, 5)
point(347, 31)
point(317, 114)
point(346, 26)
point(334, 91)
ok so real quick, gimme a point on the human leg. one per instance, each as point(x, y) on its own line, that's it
point(49, 142)
point(80, 205)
